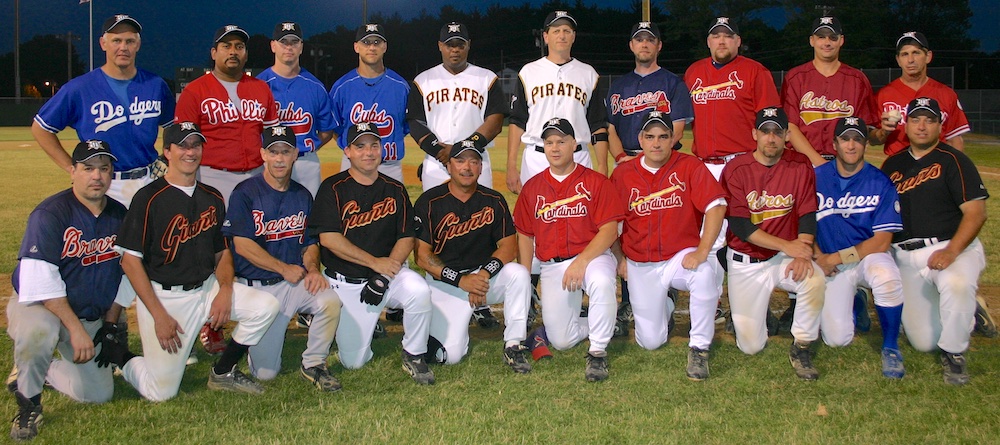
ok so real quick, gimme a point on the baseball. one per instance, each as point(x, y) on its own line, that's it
point(894, 116)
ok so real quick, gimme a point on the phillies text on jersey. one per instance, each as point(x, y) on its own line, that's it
point(632, 96)
point(382, 100)
point(851, 210)
point(303, 106)
point(548, 90)
point(896, 95)
point(463, 235)
point(814, 102)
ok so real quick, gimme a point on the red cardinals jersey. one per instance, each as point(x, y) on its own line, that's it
point(773, 198)
point(726, 101)
point(896, 95)
point(814, 102)
point(664, 211)
point(232, 133)
point(564, 217)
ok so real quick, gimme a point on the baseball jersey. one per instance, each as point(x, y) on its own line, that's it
point(372, 217)
point(463, 235)
point(546, 90)
point(931, 189)
point(814, 102)
point(632, 96)
point(232, 133)
point(726, 100)
point(664, 211)
point(275, 220)
point(896, 95)
point(63, 232)
point(178, 235)
point(852, 209)
point(382, 100)
point(772, 198)
point(564, 217)
point(302, 106)
point(89, 105)
point(453, 106)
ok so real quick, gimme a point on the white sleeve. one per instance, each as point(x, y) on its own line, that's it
point(122, 251)
point(717, 202)
point(39, 281)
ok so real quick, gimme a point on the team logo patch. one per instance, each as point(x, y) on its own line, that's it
point(121, 17)
point(288, 26)
point(371, 27)
point(645, 205)
point(826, 20)
point(770, 112)
point(296, 118)
point(277, 131)
point(90, 252)
point(846, 205)
point(561, 14)
point(94, 145)
point(722, 21)
point(928, 173)
point(226, 112)
point(923, 102)
point(454, 28)
point(815, 109)
point(723, 91)
point(353, 217)
point(655, 100)
point(452, 226)
point(765, 206)
point(643, 25)
point(291, 226)
point(231, 28)
point(187, 126)
point(180, 231)
point(571, 207)
point(851, 121)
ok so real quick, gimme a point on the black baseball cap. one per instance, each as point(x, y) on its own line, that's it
point(461, 146)
point(657, 117)
point(360, 129)
point(368, 30)
point(284, 29)
point(772, 115)
point(180, 131)
point(454, 30)
point(910, 38)
point(726, 23)
point(555, 16)
point(118, 19)
point(827, 22)
point(852, 123)
point(648, 27)
point(90, 148)
point(924, 106)
point(559, 124)
point(278, 134)
point(226, 30)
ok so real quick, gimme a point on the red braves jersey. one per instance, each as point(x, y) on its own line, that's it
point(814, 102)
point(232, 133)
point(726, 101)
point(773, 198)
point(664, 211)
point(896, 95)
point(564, 217)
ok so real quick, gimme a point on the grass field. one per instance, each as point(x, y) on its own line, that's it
point(748, 399)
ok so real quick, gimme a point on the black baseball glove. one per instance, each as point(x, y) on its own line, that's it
point(375, 290)
point(111, 346)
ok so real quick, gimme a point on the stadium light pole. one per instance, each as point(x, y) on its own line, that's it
point(17, 51)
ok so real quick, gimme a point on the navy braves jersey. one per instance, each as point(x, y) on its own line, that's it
point(852, 209)
point(275, 220)
point(631, 96)
point(89, 106)
point(372, 217)
point(63, 232)
point(463, 235)
point(381, 100)
point(178, 235)
point(303, 106)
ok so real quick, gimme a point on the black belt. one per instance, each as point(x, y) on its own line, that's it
point(918, 243)
point(182, 287)
point(341, 277)
point(630, 152)
point(829, 157)
point(135, 173)
point(258, 283)
point(229, 170)
point(541, 148)
point(719, 160)
point(747, 258)
point(560, 259)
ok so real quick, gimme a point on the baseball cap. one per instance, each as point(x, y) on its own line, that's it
point(657, 117)
point(559, 15)
point(370, 29)
point(559, 124)
point(360, 129)
point(179, 132)
point(771, 115)
point(226, 30)
point(454, 30)
point(852, 123)
point(909, 38)
point(90, 148)
point(828, 22)
point(278, 134)
point(648, 27)
point(284, 29)
point(118, 19)
point(461, 146)
point(724, 22)
point(923, 105)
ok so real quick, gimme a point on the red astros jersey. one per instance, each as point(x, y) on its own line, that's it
point(232, 132)
point(896, 95)
point(726, 101)
point(814, 102)
point(549, 90)
point(564, 217)
point(463, 235)
point(664, 211)
point(773, 198)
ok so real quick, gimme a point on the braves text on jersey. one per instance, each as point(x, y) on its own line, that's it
point(725, 101)
point(814, 102)
point(548, 90)
point(382, 100)
point(303, 106)
point(463, 235)
point(453, 106)
point(896, 95)
point(89, 105)
point(631, 96)
point(852, 209)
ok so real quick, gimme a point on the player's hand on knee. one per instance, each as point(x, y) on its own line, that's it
point(477, 299)
point(799, 269)
point(797, 249)
point(167, 333)
point(293, 273)
point(315, 282)
point(573, 277)
point(386, 266)
point(693, 259)
point(83, 346)
point(941, 259)
point(222, 306)
point(827, 264)
point(475, 283)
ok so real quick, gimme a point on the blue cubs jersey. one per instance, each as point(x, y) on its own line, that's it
point(632, 96)
point(303, 106)
point(63, 232)
point(852, 209)
point(89, 105)
point(381, 100)
point(275, 220)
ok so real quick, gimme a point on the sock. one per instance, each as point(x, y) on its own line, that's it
point(625, 298)
point(37, 400)
point(230, 357)
point(534, 279)
point(889, 318)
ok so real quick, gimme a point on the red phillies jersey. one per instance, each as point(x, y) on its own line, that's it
point(896, 95)
point(814, 102)
point(773, 198)
point(726, 101)
point(564, 217)
point(232, 133)
point(664, 211)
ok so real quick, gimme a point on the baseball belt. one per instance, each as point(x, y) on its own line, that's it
point(541, 149)
point(135, 173)
point(341, 277)
point(181, 287)
point(747, 259)
point(719, 160)
point(560, 259)
point(918, 243)
point(260, 283)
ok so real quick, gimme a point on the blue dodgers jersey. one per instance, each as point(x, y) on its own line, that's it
point(303, 106)
point(852, 209)
point(275, 220)
point(89, 105)
point(63, 232)
point(632, 96)
point(382, 101)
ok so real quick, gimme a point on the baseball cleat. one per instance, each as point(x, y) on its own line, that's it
point(621, 328)
point(985, 325)
point(892, 363)
point(514, 356)
point(538, 343)
point(192, 358)
point(379, 331)
point(697, 367)
point(625, 312)
point(485, 318)
point(303, 321)
point(533, 307)
point(584, 311)
point(729, 327)
point(214, 340)
point(720, 315)
point(801, 359)
point(597, 367)
point(28, 419)
point(234, 380)
point(436, 353)
point(955, 369)
point(416, 367)
point(862, 319)
point(394, 315)
point(320, 376)
point(12, 380)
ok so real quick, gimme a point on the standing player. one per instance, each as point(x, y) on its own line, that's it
point(567, 217)
point(375, 94)
point(117, 103)
point(668, 197)
point(266, 222)
point(302, 102)
point(943, 203)
point(858, 213)
point(772, 223)
point(364, 221)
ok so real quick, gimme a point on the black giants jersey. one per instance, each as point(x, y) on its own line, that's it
point(463, 235)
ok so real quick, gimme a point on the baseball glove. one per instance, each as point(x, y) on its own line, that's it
point(374, 291)
point(159, 168)
point(107, 338)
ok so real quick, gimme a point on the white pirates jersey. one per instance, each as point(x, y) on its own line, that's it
point(455, 105)
point(550, 90)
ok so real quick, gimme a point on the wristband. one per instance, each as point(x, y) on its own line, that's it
point(479, 141)
point(599, 137)
point(849, 255)
point(493, 266)
point(451, 276)
point(620, 156)
point(430, 145)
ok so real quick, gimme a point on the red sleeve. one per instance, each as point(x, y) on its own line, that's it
point(187, 106)
point(609, 207)
point(524, 221)
point(868, 109)
point(708, 188)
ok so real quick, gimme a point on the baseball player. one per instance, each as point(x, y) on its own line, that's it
point(176, 258)
point(117, 103)
point(372, 93)
point(266, 224)
point(567, 217)
point(302, 102)
point(364, 221)
point(66, 289)
point(772, 223)
point(467, 244)
point(943, 204)
point(858, 213)
point(662, 239)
